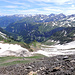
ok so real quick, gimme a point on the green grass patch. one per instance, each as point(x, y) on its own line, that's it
point(49, 43)
point(37, 56)
point(3, 59)
point(35, 44)
point(14, 62)
point(7, 61)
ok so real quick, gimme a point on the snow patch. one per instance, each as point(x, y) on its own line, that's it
point(10, 49)
point(65, 49)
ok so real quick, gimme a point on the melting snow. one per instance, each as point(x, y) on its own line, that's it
point(17, 50)
point(10, 49)
point(65, 49)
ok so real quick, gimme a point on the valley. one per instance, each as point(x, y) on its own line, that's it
point(37, 44)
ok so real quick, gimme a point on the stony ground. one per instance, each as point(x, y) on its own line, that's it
point(58, 65)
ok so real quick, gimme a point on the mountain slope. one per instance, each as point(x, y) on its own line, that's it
point(30, 31)
point(6, 20)
point(65, 35)
point(35, 28)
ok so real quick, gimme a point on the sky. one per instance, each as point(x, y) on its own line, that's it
point(11, 7)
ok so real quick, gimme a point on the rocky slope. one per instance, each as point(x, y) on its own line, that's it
point(58, 65)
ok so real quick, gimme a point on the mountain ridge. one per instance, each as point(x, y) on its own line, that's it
point(40, 27)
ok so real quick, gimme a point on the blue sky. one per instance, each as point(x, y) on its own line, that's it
point(11, 7)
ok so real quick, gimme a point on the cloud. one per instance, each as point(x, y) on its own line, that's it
point(69, 12)
point(37, 6)
point(52, 1)
point(54, 10)
point(37, 11)
point(16, 2)
point(29, 11)
point(17, 11)
point(73, 5)
point(11, 6)
point(60, 1)
point(22, 2)
point(44, 10)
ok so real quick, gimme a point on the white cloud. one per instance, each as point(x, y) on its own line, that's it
point(42, 7)
point(52, 1)
point(48, 11)
point(17, 11)
point(29, 11)
point(69, 12)
point(73, 6)
point(11, 6)
point(17, 2)
point(46, 1)
point(60, 1)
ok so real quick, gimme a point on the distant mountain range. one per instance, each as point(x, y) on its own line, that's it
point(6, 20)
point(37, 27)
